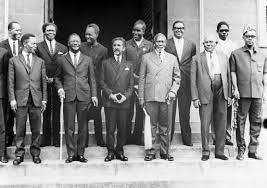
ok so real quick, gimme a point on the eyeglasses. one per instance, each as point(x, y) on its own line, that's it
point(178, 28)
point(250, 36)
point(223, 30)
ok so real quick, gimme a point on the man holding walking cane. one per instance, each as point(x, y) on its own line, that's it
point(159, 80)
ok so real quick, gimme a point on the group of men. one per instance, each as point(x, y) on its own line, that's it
point(35, 78)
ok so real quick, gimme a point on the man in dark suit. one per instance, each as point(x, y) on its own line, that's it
point(135, 48)
point(27, 92)
point(184, 50)
point(14, 47)
point(117, 83)
point(211, 91)
point(158, 84)
point(76, 84)
point(98, 53)
point(3, 102)
point(49, 50)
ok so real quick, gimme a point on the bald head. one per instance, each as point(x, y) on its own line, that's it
point(210, 41)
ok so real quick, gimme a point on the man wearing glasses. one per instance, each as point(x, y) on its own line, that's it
point(226, 46)
point(184, 50)
point(249, 77)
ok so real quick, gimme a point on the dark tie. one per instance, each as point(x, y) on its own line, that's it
point(51, 47)
point(14, 49)
point(160, 56)
point(28, 62)
point(75, 60)
point(118, 59)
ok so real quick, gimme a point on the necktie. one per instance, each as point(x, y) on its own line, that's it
point(14, 49)
point(51, 47)
point(28, 62)
point(75, 60)
point(160, 56)
point(211, 66)
point(118, 59)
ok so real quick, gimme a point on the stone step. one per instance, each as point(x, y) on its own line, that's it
point(131, 151)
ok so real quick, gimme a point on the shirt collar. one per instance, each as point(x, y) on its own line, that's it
point(139, 42)
point(255, 49)
point(72, 54)
point(178, 40)
point(116, 57)
point(48, 42)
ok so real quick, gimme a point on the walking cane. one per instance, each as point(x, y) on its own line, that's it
point(61, 128)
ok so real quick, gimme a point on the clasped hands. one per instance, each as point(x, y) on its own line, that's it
point(117, 98)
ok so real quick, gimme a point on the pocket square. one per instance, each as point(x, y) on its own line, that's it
point(127, 69)
point(60, 53)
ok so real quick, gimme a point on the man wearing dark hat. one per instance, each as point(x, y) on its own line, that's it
point(249, 77)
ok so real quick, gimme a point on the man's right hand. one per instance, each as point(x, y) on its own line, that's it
point(13, 105)
point(236, 94)
point(61, 93)
point(196, 103)
point(113, 98)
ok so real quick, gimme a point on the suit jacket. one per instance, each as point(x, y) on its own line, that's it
point(189, 50)
point(22, 80)
point(5, 44)
point(156, 78)
point(3, 72)
point(134, 53)
point(116, 78)
point(50, 59)
point(77, 82)
point(201, 78)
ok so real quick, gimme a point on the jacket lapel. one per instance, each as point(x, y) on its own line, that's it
point(33, 63)
point(173, 49)
point(185, 48)
point(22, 60)
point(80, 59)
point(67, 56)
point(120, 69)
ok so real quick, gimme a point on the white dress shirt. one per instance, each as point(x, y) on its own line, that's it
point(11, 41)
point(216, 66)
point(25, 55)
point(53, 44)
point(138, 43)
point(226, 46)
point(161, 54)
point(72, 56)
point(118, 58)
point(179, 45)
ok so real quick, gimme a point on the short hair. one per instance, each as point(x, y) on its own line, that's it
point(26, 37)
point(95, 26)
point(119, 38)
point(158, 35)
point(48, 24)
point(176, 22)
point(73, 34)
point(10, 25)
point(222, 23)
point(141, 22)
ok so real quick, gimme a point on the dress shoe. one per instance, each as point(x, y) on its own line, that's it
point(149, 157)
point(36, 160)
point(167, 157)
point(82, 159)
point(229, 142)
point(222, 157)
point(188, 144)
point(109, 157)
point(101, 143)
point(205, 157)
point(240, 156)
point(17, 161)
point(121, 157)
point(254, 156)
point(3, 159)
point(56, 144)
point(69, 159)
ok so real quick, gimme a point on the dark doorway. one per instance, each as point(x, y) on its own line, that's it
point(114, 17)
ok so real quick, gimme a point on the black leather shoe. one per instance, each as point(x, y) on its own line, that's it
point(3, 159)
point(109, 157)
point(240, 156)
point(69, 159)
point(229, 143)
point(222, 157)
point(205, 157)
point(254, 156)
point(188, 144)
point(82, 159)
point(56, 144)
point(149, 157)
point(121, 157)
point(167, 157)
point(101, 143)
point(36, 160)
point(17, 161)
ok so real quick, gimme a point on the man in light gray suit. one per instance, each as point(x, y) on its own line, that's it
point(211, 91)
point(159, 81)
